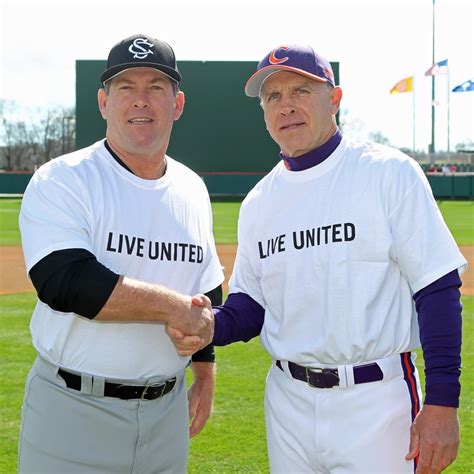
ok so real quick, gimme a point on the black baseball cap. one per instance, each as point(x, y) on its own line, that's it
point(141, 51)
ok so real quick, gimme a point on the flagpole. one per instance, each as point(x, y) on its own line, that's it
point(449, 93)
point(414, 122)
point(432, 146)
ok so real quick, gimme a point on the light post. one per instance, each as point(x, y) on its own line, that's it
point(431, 147)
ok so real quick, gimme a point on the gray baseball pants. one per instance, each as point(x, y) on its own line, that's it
point(69, 431)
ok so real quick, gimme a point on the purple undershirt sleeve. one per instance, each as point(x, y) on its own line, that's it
point(439, 316)
point(240, 318)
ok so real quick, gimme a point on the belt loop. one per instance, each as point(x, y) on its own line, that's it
point(350, 376)
point(98, 385)
point(344, 376)
point(391, 366)
point(286, 369)
point(86, 384)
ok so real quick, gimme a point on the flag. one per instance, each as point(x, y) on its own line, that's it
point(438, 68)
point(405, 85)
point(465, 86)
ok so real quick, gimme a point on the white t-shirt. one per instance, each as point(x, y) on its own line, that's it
point(334, 254)
point(158, 231)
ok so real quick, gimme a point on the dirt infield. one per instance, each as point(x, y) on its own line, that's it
point(13, 277)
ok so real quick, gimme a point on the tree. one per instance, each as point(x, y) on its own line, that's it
point(378, 137)
point(467, 145)
point(351, 124)
point(12, 136)
point(28, 144)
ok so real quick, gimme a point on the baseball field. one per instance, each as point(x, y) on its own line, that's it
point(234, 438)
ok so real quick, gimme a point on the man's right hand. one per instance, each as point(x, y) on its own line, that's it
point(193, 330)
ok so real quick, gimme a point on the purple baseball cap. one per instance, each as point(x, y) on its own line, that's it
point(294, 58)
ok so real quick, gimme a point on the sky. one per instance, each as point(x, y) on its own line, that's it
point(377, 43)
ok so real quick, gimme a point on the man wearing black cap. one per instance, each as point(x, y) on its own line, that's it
point(344, 264)
point(114, 236)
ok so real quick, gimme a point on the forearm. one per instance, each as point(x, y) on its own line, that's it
point(133, 300)
point(240, 318)
point(204, 371)
point(73, 281)
point(439, 314)
point(200, 395)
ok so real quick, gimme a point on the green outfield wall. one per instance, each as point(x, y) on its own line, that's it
point(14, 182)
point(236, 184)
point(221, 129)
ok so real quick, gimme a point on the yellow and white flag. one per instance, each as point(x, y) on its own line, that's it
point(405, 85)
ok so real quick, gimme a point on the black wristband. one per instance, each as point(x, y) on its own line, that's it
point(207, 353)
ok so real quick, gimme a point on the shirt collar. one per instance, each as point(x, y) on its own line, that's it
point(313, 157)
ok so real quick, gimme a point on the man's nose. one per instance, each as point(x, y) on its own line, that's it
point(287, 110)
point(287, 105)
point(141, 101)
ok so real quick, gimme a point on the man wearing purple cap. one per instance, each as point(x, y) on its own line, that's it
point(344, 264)
point(114, 236)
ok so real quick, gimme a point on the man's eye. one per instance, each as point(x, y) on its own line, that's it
point(303, 91)
point(272, 97)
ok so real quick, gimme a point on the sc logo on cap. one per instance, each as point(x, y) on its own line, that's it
point(137, 49)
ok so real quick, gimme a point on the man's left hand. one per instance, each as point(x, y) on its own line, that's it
point(200, 395)
point(434, 437)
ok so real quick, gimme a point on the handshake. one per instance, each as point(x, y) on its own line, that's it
point(193, 328)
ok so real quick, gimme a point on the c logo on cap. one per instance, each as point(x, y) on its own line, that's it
point(272, 59)
point(138, 51)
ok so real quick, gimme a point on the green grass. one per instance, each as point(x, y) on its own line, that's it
point(465, 462)
point(234, 438)
point(9, 233)
point(459, 217)
point(17, 355)
point(225, 216)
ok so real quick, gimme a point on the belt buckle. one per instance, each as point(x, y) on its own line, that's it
point(308, 376)
point(327, 377)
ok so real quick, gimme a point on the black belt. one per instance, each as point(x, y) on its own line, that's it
point(125, 392)
point(327, 377)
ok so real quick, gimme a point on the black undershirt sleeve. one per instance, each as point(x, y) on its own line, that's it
point(72, 280)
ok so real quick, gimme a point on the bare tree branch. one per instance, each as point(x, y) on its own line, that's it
point(25, 145)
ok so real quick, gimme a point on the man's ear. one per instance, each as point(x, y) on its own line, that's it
point(102, 101)
point(336, 96)
point(178, 105)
